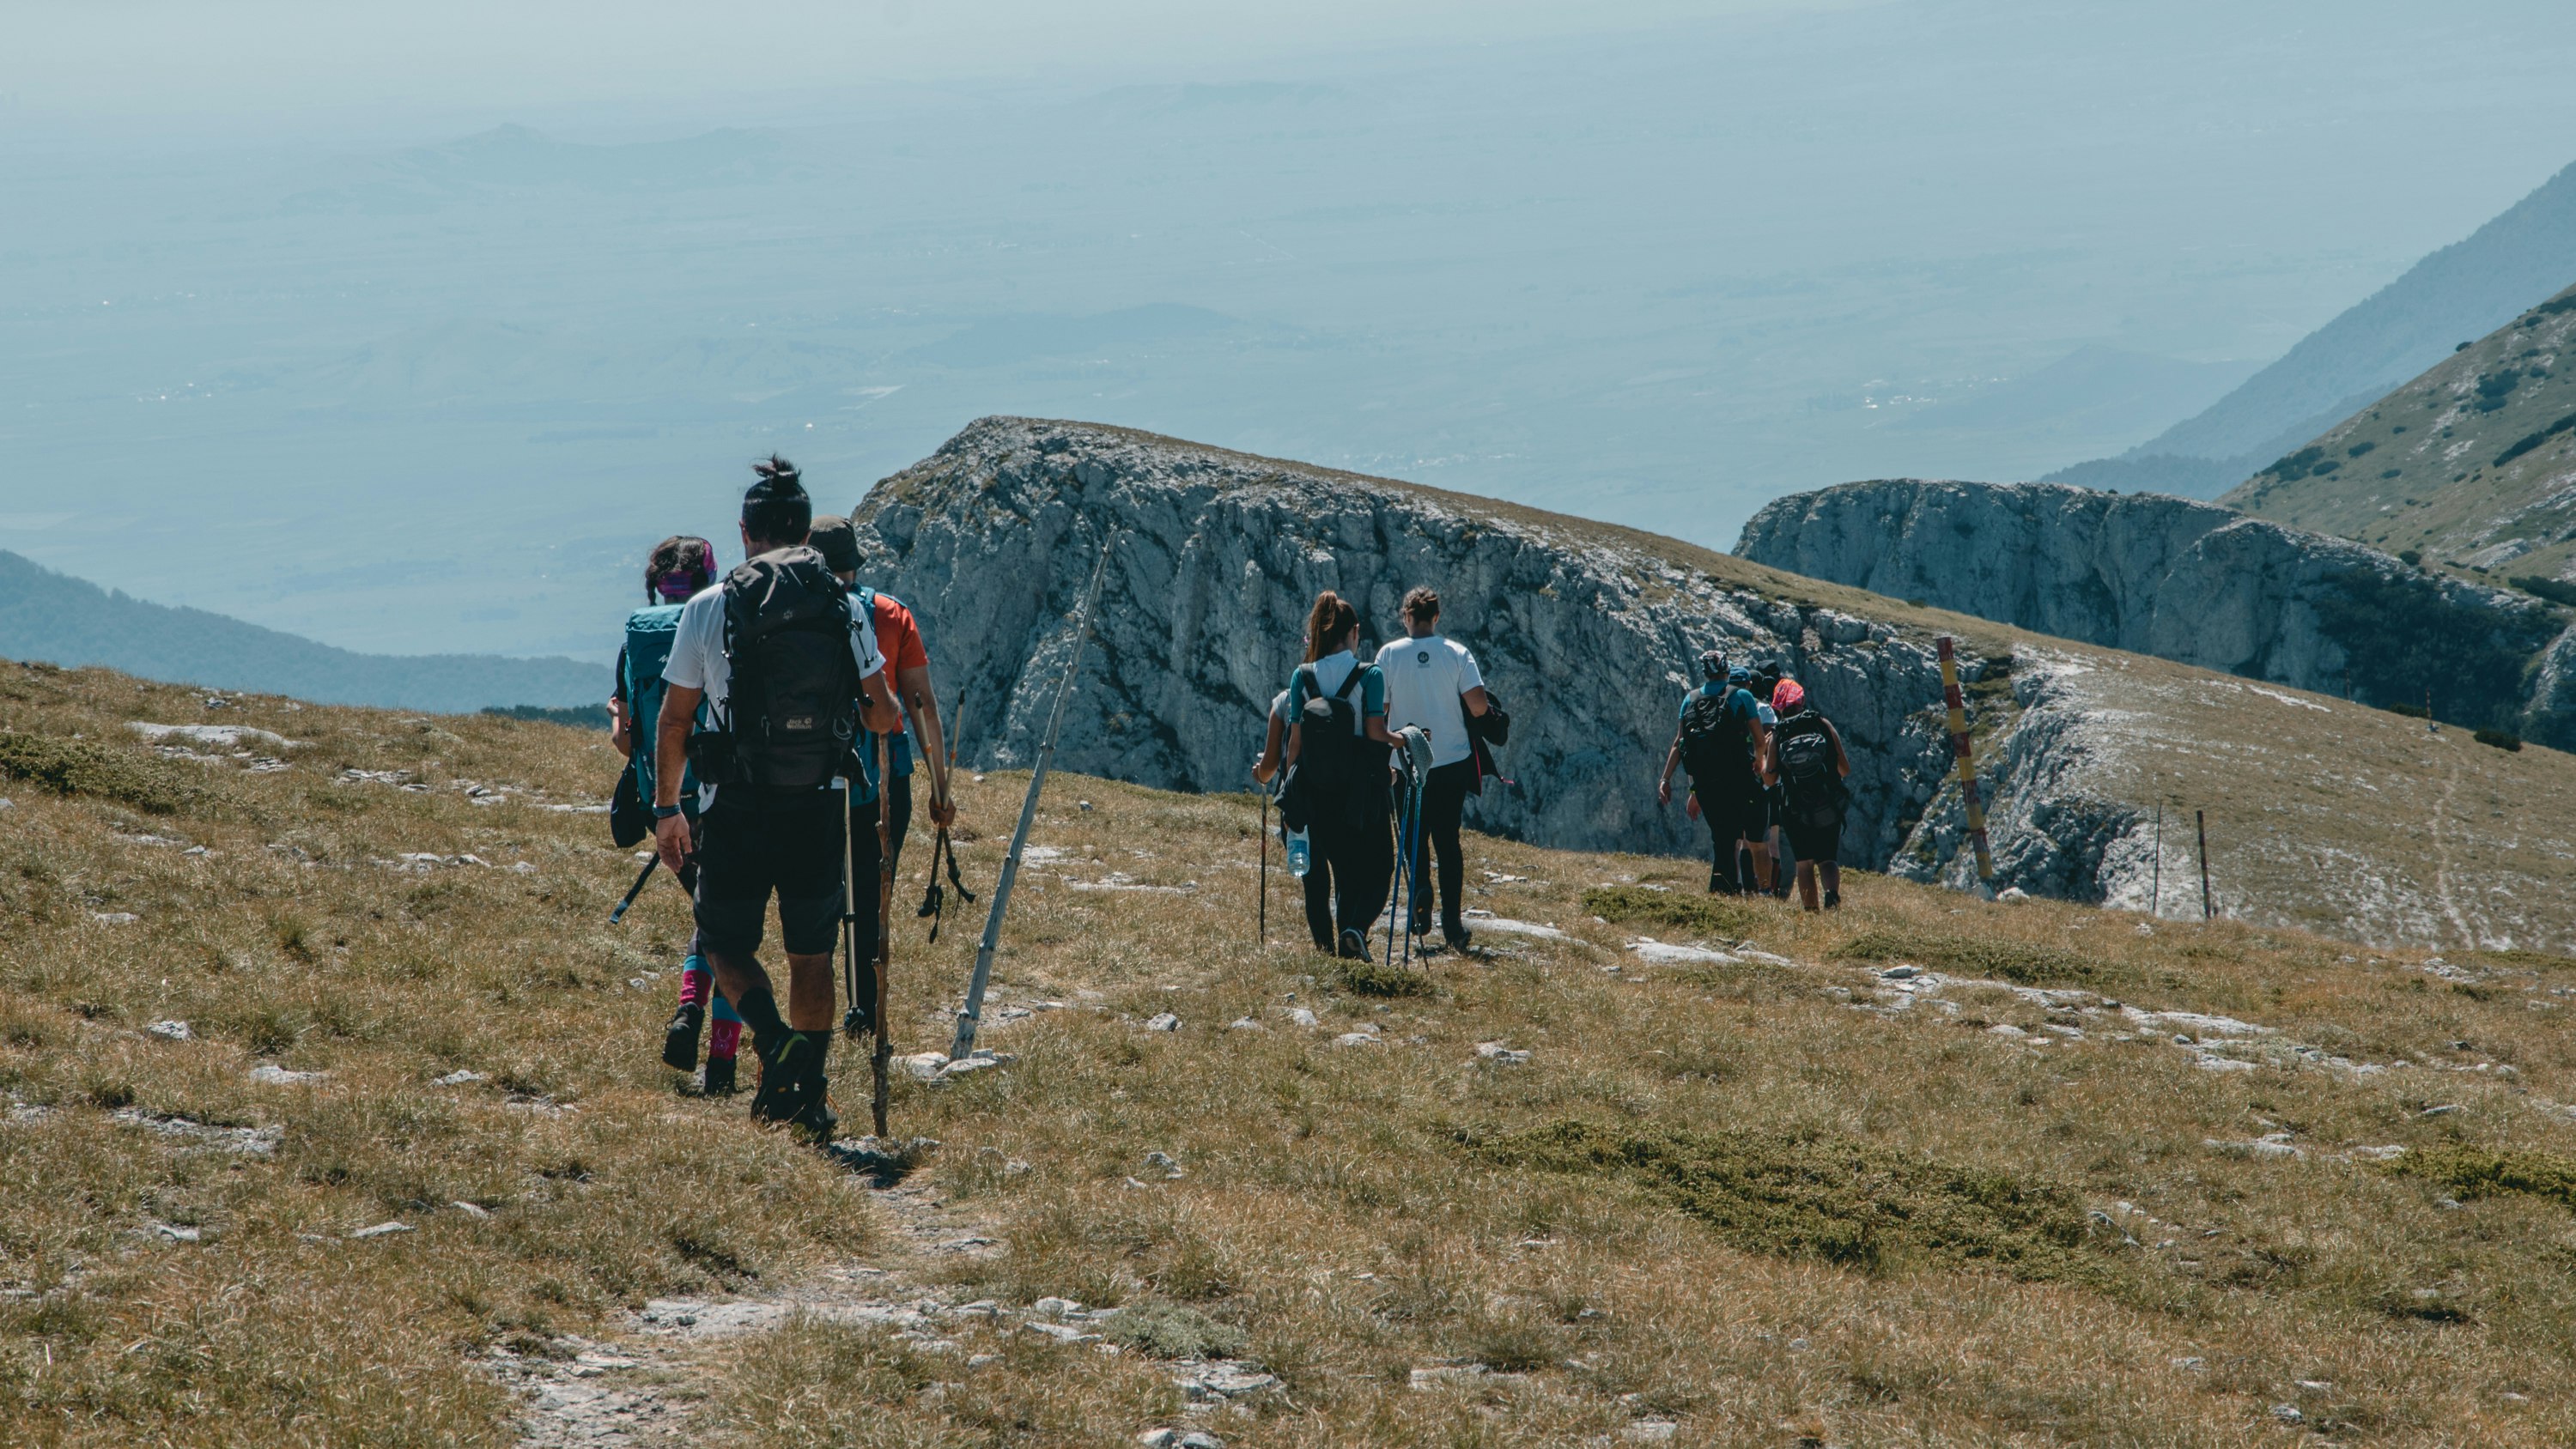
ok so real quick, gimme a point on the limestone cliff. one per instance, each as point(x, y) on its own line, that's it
point(1585, 632)
point(2187, 581)
point(2321, 812)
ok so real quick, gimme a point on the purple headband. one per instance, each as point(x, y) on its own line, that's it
point(681, 583)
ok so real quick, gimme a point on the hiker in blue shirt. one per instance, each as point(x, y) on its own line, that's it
point(1340, 785)
point(678, 568)
point(1725, 745)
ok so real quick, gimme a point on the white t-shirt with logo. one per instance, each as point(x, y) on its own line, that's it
point(698, 660)
point(1424, 678)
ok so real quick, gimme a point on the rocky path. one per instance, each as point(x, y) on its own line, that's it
point(636, 1386)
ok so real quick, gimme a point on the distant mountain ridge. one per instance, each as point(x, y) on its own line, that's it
point(2464, 290)
point(63, 620)
point(2470, 467)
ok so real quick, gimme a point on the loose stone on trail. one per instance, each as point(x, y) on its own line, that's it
point(1162, 1021)
point(172, 1030)
point(382, 1230)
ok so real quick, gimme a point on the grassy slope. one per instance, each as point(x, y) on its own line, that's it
point(2418, 469)
point(1716, 1193)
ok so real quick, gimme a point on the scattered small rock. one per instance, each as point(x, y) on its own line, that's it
point(1062, 1332)
point(1172, 1169)
point(462, 1076)
point(274, 1075)
point(1900, 973)
point(1300, 1016)
point(1052, 1307)
point(2012, 893)
point(1442, 1376)
point(1650, 1431)
point(1494, 1051)
point(174, 1233)
point(171, 1030)
point(471, 1210)
point(1356, 1039)
point(1243, 1023)
point(2445, 1110)
point(2288, 1414)
point(382, 1230)
point(1162, 1021)
point(114, 918)
point(2191, 1363)
point(1159, 1438)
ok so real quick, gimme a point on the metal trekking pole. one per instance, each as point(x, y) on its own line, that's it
point(619, 912)
point(883, 1057)
point(850, 1017)
point(972, 1013)
point(1265, 865)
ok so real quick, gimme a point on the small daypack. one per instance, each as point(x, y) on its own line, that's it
point(792, 707)
point(1713, 745)
point(1320, 783)
point(1806, 754)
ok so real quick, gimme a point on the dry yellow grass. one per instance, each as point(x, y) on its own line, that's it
point(1747, 1197)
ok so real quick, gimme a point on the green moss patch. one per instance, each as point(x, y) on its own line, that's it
point(2015, 961)
point(1830, 1198)
point(79, 767)
point(2479, 1172)
point(1638, 905)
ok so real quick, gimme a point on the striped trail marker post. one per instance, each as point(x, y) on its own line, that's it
point(1960, 746)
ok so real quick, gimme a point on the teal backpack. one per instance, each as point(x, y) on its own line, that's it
point(649, 635)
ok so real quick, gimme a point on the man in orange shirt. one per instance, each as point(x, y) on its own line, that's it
point(908, 662)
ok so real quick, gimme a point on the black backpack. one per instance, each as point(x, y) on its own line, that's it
point(1320, 784)
point(1712, 744)
point(792, 709)
point(1806, 754)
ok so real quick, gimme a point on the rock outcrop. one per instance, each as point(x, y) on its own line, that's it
point(2191, 582)
point(2320, 811)
point(1584, 631)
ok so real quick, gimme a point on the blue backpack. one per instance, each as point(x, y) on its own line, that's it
point(650, 632)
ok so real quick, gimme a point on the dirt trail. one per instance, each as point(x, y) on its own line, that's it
point(636, 1386)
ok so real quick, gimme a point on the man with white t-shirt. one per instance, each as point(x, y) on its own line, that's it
point(1432, 683)
point(777, 632)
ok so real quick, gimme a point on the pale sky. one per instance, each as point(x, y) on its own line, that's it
point(122, 62)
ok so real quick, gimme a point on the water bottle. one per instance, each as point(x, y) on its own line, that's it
point(1301, 856)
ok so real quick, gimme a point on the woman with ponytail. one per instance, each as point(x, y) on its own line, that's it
point(678, 569)
point(1337, 742)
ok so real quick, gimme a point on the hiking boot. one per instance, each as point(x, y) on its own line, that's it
point(1780, 889)
point(680, 1038)
point(1354, 946)
point(789, 1085)
point(1455, 933)
point(1833, 899)
point(719, 1081)
point(818, 1121)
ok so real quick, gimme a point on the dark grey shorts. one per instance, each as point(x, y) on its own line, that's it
point(752, 848)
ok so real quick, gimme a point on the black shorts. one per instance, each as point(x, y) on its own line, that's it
point(1817, 842)
point(1735, 811)
point(750, 847)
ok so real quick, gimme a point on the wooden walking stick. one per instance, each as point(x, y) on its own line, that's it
point(884, 1054)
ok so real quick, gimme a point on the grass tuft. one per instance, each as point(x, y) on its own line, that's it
point(2019, 962)
point(1172, 1330)
point(1369, 976)
point(1836, 1199)
point(1636, 905)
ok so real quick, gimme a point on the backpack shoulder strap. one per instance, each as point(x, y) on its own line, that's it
point(1352, 682)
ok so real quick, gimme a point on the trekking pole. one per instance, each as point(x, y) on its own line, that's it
point(1265, 866)
point(883, 1057)
point(850, 1016)
point(618, 913)
point(972, 1013)
point(2200, 821)
point(934, 901)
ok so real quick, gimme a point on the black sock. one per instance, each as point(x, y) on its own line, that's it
point(759, 1013)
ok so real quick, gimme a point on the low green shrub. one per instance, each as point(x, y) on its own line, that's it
point(81, 767)
point(1369, 976)
point(1642, 906)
